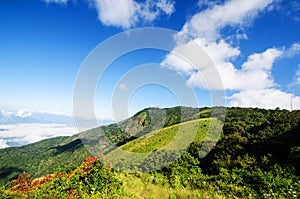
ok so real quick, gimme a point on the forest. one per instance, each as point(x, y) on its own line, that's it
point(256, 156)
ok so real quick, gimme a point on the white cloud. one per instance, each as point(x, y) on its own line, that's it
point(267, 98)
point(298, 75)
point(21, 134)
point(208, 23)
point(23, 113)
point(262, 61)
point(117, 12)
point(128, 13)
point(252, 83)
point(207, 3)
point(166, 6)
point(255, 73)
point(296, 80)
point(57, 1)
point(203, 28)
point(293, 50)
point(3, 144)
point(35, 126)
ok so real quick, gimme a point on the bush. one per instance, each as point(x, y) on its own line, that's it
point(91, 179)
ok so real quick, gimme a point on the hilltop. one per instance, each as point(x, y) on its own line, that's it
point(48, 155)
point(257, 156)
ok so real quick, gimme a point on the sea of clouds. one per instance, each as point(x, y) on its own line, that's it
point(18, 128)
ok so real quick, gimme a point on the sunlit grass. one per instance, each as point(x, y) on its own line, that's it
point(175, 135)
point(145, 186)
point(161, 147)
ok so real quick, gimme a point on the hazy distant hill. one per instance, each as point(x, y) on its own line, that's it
point(19, 117)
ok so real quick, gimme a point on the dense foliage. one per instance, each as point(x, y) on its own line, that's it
point(46, 156)
point(92, 179)
point(40, 158)
point(257, 156)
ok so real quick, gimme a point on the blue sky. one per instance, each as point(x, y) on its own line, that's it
point(255, 46)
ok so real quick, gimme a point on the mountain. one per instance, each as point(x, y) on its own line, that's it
point(164, 145)
point(256, 156)
point(46, 156)
point(40, 158)
point(24, 116)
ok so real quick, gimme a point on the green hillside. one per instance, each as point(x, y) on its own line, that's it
point(40, 158)
point(48, 155)
point(257, 156)
point(163, 144)
point(161, 138)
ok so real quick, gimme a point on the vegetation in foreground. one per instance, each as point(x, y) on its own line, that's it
point(258, 156)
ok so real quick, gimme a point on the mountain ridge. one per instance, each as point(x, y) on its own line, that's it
point(60, 149)
point(256, 156)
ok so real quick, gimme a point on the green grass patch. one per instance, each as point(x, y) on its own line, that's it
point(194, 130)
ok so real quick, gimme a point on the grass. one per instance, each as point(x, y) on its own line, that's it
point(145, 185)
point(161, 147)
point(173, 136)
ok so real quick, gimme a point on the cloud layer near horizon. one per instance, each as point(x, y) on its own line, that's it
point(22, 134)
point(23, 127)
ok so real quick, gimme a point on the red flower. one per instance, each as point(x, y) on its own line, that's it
point(91, 159)
point(71, 192)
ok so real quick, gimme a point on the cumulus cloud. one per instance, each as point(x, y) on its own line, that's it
point(254, 74)
point(267, 98)
point(208, 23)
point(128, 13)
point(166, 6)
point(256, 71)
point(204, 29)
point(293, 50)
point(252, 82)
point(117, 12)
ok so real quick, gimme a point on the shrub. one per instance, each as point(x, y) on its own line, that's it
point(91, 179)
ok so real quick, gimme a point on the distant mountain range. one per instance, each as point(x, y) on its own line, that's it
point(25, 116)
point(20, 117)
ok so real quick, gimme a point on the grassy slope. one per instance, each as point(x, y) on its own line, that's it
point(163, 144)
point(46, 156)
point(142, 186)
point(161, 138)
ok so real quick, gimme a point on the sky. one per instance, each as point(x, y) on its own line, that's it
point(254, 45)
